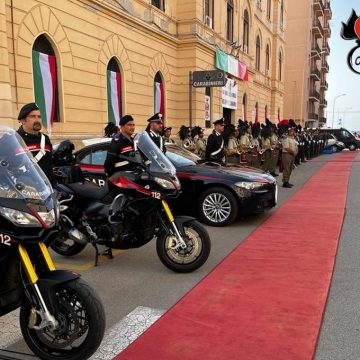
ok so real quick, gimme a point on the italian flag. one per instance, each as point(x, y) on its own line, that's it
point(231, 65)
point(44, 71)
point(114, 96)
point(159, 98)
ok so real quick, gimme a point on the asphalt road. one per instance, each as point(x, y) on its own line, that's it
point(137, 277)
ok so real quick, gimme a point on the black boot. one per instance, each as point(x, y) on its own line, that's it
point(287, 185)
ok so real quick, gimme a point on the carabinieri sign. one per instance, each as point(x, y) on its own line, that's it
point(213, 78)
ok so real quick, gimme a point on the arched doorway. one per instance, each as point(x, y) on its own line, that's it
point(114, 91)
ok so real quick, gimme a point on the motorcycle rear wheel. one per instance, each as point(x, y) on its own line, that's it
point(190, 259)
point(81, 320)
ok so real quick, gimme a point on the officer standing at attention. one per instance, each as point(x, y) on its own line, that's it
point(167, 134)
point(215, 144)
point(289, 152)
point(38, 143)
point(154, 130)
point(121, 145)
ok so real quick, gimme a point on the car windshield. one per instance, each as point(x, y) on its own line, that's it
point(181, 157)
point(155, 159)
point(20, 176)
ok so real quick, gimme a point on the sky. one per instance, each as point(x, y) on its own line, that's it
point(340, 78)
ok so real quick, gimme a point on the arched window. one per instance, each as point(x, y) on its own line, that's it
point(282, 15)
point(257, 54)
point(244, 107)
point(246, 32)
point(280, 64)
point(114, 91)
point(230, 20)
point(268, 9)
point(45, 81)
point(159, 99)
point(267, 60)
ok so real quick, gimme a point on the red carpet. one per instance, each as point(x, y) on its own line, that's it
point(266, 299)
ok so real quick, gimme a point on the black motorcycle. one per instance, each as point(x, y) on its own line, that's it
point(61, 317)
point(129, 211)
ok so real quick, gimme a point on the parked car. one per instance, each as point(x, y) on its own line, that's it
point(333, 143)
point(213, 193)
point(345, 136)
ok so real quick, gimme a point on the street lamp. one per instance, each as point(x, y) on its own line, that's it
point(336, 97)
point(303, 80)
point(343, 122)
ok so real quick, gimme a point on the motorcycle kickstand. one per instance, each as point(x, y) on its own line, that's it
point(97, 254)
point(108, 252)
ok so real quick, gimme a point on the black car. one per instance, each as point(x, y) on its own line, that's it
point(215, 194)
point(343, 135)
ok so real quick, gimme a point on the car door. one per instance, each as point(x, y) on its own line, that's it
point(92, 162)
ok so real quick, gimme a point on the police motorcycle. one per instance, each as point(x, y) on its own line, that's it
point(61, 317)
point(129, 211)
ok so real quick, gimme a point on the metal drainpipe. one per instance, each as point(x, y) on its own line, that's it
point(13, 43)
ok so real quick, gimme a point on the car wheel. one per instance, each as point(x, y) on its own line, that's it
point(217, 207)
point(352, 147)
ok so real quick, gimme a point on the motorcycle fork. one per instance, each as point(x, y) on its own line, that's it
point(180, 241)
point(47, 319)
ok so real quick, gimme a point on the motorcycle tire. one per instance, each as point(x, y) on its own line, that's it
point(64, 249)
point(190, 259)
point(81, 320)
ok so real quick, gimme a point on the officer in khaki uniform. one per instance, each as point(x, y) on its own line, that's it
point(266, 145)
point(289, 152)
point(245, 143)
point(200, 144)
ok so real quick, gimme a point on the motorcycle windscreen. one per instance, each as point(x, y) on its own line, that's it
point(20, 176)
point(158, 162)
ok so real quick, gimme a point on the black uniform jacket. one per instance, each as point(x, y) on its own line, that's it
point(33, 144)
point(120, 145)
point(215, 148)
point(157, 139)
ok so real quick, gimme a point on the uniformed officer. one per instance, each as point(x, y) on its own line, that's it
point(200, 144)
point(154, 130)
point(232, 145)
point(266, 145)
point(122, 145)
point(215, 144)
point(289, 152)
point(245, 143)
point(38, 143)
point(167, 134)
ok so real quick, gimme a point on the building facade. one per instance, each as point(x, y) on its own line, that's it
point(306, 69)
point(87, 62)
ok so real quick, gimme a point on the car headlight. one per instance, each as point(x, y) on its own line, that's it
point(19, 218)
point(48, 217)
point(166, 184)
point(250, 185)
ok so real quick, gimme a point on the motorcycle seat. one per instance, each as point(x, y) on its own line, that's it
point(90, 190)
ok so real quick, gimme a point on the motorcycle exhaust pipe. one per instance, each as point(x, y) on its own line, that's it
point(77, 236)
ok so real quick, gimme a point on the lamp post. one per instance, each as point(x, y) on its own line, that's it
point(303, 81)
point(343, 122)
point(335, 98)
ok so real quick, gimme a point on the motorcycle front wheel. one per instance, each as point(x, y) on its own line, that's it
point(81, 318)
point(185, 260)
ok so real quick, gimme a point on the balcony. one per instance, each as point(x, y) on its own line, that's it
point(313, 116)
point(314, 96)
point(327, 10)
point(324, 85)
point(325, 66)
point(317, 29)
point(318, 6)
point(323, 103)
point(326, 48)
point(315, 73)
point(327, 30)
point(315, 50)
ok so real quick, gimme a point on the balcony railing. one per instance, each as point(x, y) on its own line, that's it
point(314, 95)
point(324, 84)
point(327, 10)
point(326, 48)
point(322, 119)
point(317, 28)
point(315, 72)
point(315, 49)
point(323, 103)
point(313, 116)
point(325, 66)
point(318, 6)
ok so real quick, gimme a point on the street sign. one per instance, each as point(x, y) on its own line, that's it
point(213, 78)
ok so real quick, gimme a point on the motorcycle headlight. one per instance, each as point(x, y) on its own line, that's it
point(166, 184)
point(250, 185)
point(48, 217)
point(19, 218)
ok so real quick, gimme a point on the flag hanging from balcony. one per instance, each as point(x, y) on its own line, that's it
point(44, 73)
point(114, 96)
point(231, 65)
point(159, 103)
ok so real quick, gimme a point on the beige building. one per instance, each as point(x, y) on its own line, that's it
point(307, 50)
point(88, 61)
